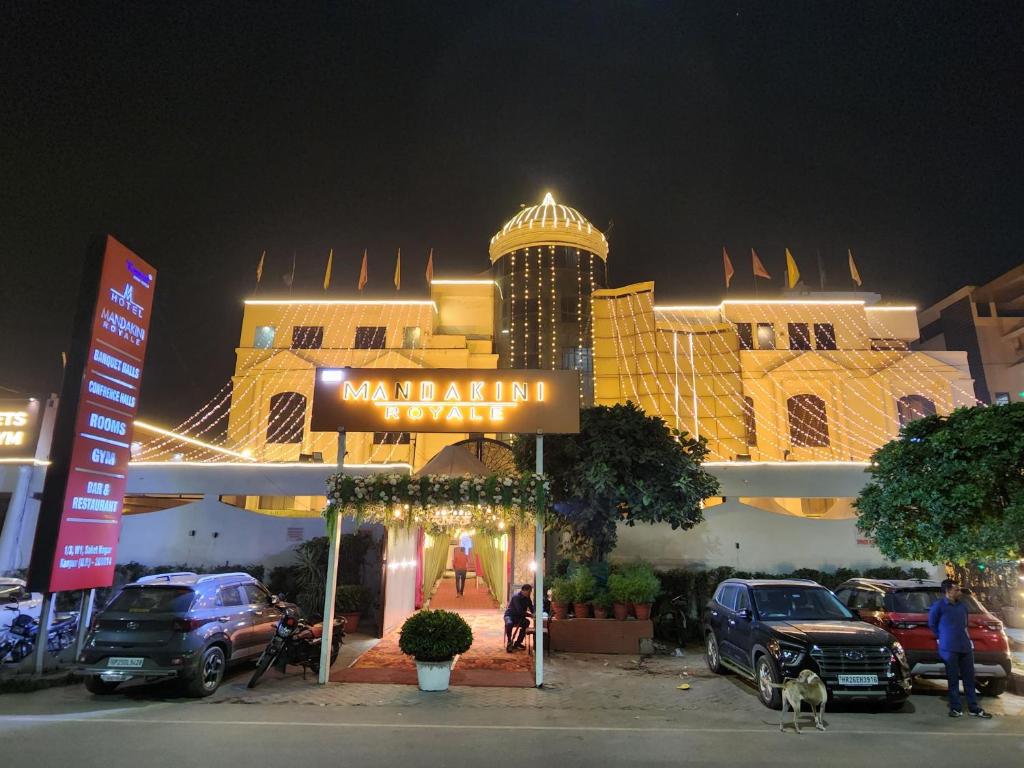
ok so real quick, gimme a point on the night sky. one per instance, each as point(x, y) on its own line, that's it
point(201, 134)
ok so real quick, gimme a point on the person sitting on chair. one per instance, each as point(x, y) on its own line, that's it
point(517, 617)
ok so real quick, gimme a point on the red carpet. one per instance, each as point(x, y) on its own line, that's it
point(486, 663)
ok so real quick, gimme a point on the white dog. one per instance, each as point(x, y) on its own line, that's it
point(806, 687)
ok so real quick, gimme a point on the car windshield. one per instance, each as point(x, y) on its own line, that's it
point(797, 602)
point(152, 600)
point(921, 600)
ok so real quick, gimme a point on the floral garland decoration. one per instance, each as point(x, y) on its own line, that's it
point(437, 503)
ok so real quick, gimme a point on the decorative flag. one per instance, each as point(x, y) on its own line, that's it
point(727, 266)
point(398, 270)
point(362, 272)
point(430, 267)
point(327, 273)
point(759, 270)
point(259, 268)
point(792, 273)
point(854, 274)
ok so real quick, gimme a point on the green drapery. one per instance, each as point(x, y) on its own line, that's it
point(435, 558)
point(491, 551)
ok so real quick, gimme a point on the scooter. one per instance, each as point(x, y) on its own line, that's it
point(297, 642)
point(24, 629)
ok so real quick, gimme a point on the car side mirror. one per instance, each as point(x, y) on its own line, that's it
point(746, 614)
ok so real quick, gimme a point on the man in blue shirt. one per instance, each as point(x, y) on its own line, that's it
point(947, 618)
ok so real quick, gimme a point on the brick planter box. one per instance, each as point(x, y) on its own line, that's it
point(599, 635)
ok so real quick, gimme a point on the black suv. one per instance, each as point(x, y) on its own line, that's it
point(771, 630)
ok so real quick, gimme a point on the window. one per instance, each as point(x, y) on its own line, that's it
point(569, 309)
point(921, 601)
point(808, 422)
point(229, 596)
point(576, 359)
point(765, 336)
point(742, 600)
point(798, 336)
point(411, 336)
point(727, 596)
point(746, 334)
point(911, 407)
point(287, 420)
point(390, 438)
point(307, 337)
point(370, 337)
point(865, 600)
point(1002, 398)
point(255, 596)
point(264, 336)
point(983, 309)
point(152, 600)
point(824, 336)
point(749, 422)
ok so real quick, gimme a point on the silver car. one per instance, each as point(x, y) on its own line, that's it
point(178, 625)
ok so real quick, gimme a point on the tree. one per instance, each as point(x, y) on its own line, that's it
point(623, 467)
point(950, 488)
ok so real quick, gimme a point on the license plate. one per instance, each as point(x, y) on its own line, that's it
point(858, 679)
point(124, 662)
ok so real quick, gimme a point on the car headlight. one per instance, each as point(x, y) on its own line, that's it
point(790, 656)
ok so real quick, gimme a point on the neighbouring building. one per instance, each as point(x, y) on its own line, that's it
point(986, 322)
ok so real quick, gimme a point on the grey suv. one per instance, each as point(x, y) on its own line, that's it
point(178, 625)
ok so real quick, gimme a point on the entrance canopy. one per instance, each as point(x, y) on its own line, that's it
point(453, 460)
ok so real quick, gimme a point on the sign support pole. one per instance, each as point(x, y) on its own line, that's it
point(43, 635)
point(333, 545)
point(84, 619)
point(538, 556)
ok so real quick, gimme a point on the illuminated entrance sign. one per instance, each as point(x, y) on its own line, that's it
point(19, 420)
point(80, 511)
point(445, 400)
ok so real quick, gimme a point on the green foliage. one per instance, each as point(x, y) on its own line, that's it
point(634, 583)
point(618, 588)
point(602, 599)
point(435, 636)
point(583, 585)
point(305, 579)
point(351, 598)
point(562, 590)
point(950, 488)
point(623, 467)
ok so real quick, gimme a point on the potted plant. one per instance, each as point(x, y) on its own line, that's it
point(619, 592)
point(434, 639)
point(644, 588)
point(562, 594)
point(351, 601)
point(602, 602)
point(583, 587)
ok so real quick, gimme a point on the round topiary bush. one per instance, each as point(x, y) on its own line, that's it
point(435, 636)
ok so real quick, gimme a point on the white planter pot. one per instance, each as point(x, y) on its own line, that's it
point(433, 675)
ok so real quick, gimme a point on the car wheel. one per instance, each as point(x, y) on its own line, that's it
point(991, 686)
point(209, 673)
point(712, 655)
point(97, 685)
point(767, 677)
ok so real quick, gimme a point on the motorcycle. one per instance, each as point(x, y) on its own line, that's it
point(297, 642)
point(24, 629)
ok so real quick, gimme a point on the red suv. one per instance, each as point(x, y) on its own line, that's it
point(901, 607)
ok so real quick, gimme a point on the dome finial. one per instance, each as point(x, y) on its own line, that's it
point(548, 199)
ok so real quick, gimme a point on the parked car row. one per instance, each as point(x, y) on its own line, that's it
point(868, 640)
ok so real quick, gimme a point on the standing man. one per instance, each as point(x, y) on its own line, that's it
point(947, 618)
point(517, 617)
point(460, 564)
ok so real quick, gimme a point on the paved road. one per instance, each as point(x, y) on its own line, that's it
point(605, 718)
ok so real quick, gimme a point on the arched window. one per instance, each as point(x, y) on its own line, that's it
point(287, 419)
point(911, 407)
point(808, 422)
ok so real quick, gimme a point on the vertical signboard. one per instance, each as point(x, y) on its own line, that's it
point(80, 513)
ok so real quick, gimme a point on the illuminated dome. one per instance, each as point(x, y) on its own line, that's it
point(548, 224)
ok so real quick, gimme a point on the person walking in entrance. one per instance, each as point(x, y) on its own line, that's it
point(517, 618)
point(460, 564)
point(947, 618)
